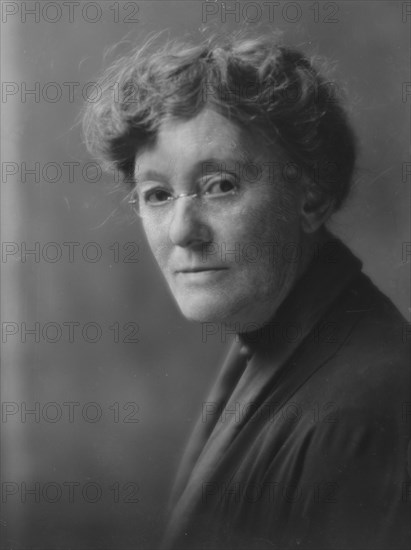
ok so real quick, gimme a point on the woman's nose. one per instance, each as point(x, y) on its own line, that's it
point(189, 225)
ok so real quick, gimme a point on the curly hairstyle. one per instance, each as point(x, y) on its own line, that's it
point(251, 80)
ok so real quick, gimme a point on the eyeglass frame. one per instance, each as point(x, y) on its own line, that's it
point(170, 200)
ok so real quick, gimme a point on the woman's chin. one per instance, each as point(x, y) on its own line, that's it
point(203, 311)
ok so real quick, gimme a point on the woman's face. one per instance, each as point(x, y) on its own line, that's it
point(232, 258)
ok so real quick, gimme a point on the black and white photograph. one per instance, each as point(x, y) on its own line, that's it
point(205, 275)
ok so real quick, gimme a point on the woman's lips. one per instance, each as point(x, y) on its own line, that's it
point(201, 274)
point(200, 269)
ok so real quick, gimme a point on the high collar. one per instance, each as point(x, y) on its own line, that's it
point(333, 267)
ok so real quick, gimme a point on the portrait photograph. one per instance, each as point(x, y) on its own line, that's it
point(205, 267)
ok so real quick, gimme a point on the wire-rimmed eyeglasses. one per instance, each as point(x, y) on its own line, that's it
point(157, 202)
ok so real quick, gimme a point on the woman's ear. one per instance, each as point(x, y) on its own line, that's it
point(314, 211)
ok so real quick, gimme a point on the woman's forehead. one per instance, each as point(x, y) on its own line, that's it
point(208, 137)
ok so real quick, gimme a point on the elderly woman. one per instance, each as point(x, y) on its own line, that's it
point(236, 152)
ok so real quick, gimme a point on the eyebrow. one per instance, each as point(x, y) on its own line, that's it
point(211, 164)
point(149, 175)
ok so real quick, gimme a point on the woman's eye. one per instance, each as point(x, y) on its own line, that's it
point(221, 186)
point(156, 196)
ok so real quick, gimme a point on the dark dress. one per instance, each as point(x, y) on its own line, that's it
point(303, 440)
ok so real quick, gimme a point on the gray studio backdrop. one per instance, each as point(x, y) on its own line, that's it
point(92, 343)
